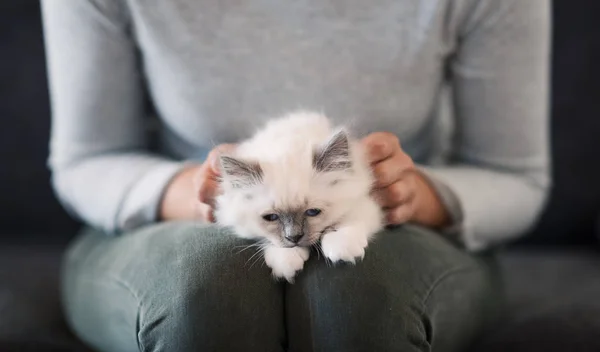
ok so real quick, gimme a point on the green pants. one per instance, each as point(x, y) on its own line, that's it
point(188, 287)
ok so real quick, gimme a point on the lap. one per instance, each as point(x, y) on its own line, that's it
point(412, 284)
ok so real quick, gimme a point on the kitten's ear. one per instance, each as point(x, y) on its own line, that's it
point(334, 155)
point(240, 173)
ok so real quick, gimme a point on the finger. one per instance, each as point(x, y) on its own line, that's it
point(391, 170)
point(399, 215)
point(213, 157)
point(208, 190)
point(394, 195)
point(204, 212)
point(202, 173)
point(380, 146)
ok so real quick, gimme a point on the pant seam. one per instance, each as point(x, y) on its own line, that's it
point(123, 284)
point(128, 288)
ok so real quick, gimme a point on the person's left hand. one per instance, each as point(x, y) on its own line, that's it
point(399, 187)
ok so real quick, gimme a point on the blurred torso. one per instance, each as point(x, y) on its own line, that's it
point(217, 70)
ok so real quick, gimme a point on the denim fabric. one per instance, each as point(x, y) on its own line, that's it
point(188, 287)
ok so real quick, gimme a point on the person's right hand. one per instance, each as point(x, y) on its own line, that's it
point(191, 193)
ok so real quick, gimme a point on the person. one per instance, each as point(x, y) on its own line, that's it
point(141, 91)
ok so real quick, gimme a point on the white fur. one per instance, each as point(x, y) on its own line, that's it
point(285, 262)
point(284, 150)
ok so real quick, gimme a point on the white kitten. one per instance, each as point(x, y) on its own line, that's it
point(295, 182)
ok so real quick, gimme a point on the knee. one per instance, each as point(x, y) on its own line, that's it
point(391, 298)
point(204, 291)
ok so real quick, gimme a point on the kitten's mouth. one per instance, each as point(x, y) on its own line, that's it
point(299, 244)
point(291, 245)
point(307, 243)
point(311, 240)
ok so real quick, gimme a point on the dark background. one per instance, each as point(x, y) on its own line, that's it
point(30, 211)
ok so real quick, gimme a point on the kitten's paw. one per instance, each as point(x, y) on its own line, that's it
point(285, 262)
point(345, 244)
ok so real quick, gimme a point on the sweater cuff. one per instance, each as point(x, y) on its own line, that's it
point(458, 230)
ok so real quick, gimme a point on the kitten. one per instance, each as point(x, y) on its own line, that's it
point(296, 182)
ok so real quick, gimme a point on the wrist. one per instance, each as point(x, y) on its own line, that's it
point(429, 209)
point(179, 196)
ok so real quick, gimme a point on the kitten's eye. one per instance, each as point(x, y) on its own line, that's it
point(312, 212)
point(271, 217)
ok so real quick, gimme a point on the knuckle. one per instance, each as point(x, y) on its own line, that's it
point(376, 148)
point(399, 215)
point(394, 217)
point(397, 191)
point(382, 175)
point(199, 179)
point(202, 194)
point(217, 151)
point(205, 192)
point(379, 197)
point(198, 182)
point(214, 153)
point(381, 144)
point(406, 160)
point(390, 137)
point(385, 136)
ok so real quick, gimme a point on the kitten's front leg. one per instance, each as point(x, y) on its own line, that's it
point(352, 235)
point(346, 243)
point(285, 262)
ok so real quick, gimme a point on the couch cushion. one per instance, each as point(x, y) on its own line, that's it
point(30, 312)
point(553, 301)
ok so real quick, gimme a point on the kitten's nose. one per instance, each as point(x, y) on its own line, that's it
point(293, 238)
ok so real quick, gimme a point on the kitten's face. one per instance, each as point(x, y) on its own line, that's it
point(288, 205)
point(299, 223)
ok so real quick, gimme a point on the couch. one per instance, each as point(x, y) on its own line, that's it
point(552, 275)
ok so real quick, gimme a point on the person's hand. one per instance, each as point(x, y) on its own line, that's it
point(206, 183)
point(191, 193)
point(399, 187)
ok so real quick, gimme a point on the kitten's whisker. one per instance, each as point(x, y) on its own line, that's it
point(317, 247)
point(258, 252)
point(258, 258)
point(246, 247)
point(320, 250)
point(261, 246)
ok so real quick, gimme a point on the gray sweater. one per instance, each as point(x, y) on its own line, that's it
point(140, 87)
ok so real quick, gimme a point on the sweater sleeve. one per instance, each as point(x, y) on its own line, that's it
point(101, 169)
point(497, 181)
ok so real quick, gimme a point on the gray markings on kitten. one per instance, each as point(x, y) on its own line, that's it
point(334, 155)
point(293, 222)
point(241, 173)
